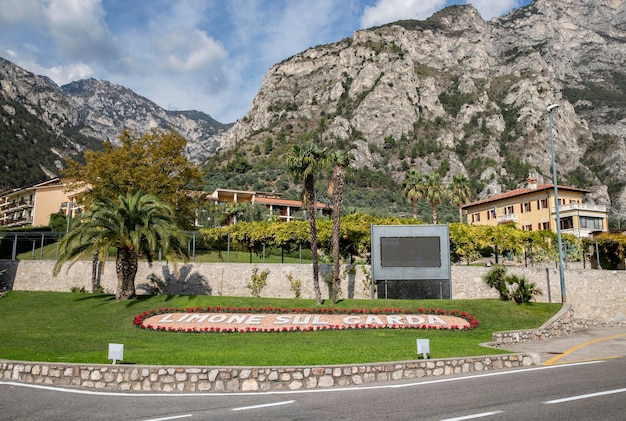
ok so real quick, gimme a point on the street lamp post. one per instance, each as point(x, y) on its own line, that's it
point(557, 206)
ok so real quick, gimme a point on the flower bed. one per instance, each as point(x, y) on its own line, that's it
point(274, 319)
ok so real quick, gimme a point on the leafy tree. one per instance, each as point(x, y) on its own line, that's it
point(304, 163)
point(411, 187)
point(340, 161)
point(135, 224)
point(460, 192)
point(153, 163)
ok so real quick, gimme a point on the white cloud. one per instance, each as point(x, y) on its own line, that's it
point(494, 8)
point(188, 50)
point(386, 11)
point(79, 29)
point(14, 11)
point(66, 74)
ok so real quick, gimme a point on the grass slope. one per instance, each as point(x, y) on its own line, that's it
point(75, 327)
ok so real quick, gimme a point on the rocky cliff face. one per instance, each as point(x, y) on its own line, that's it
point(42, 124)
point(458, 94)
point(453, 94)
point(105, 108)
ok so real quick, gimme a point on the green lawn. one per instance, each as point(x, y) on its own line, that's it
point(77, 327)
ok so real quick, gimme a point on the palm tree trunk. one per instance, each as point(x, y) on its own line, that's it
point(415, 209)
point(126, 270)
point(95, 272)
point(337, 196)
point(309, 187)
point(460, 215)
point(435, 215)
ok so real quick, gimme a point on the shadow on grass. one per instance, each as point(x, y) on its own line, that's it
point(99, 297)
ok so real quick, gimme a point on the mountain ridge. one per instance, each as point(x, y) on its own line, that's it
point(477, 90)
point(452, 93)
point(78, 116)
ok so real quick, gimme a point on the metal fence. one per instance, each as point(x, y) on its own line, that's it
point(45, 246)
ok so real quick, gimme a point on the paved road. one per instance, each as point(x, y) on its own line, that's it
point(583, 345)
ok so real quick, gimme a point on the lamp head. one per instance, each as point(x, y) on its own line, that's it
point(552, 107)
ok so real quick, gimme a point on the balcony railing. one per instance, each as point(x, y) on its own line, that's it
point(16, 222)
point(581, 207)
point(510, 218)
point(7, 207)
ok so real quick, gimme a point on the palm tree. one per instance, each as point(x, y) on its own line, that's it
point(460, 192)
point(412, 188)
point(340, 160)
point(135, 225)
point(304, 163)
point(434, 192)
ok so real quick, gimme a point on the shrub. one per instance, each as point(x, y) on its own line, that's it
point(511, 287)
point(257, 281)
point(525, 291)
point(295, 285)
point(496, 278)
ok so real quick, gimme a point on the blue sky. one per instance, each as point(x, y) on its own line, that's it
point(207, 55)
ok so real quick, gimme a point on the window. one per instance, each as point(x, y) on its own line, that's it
point(543, 226)
point(567, 223)
point(591, 222)
point(508, 210)
point(526, 207)
point(476, 217)
point(528, 227)
point(542, 204)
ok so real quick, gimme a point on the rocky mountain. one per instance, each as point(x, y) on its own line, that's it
point(453, 94)
point(42, 124)
point(457, 94)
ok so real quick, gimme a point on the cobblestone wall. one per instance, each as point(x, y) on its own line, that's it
point(244, 379)
point(598, 297)
point(561, 324)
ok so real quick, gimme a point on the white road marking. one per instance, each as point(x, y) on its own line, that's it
point(265, 405)
point(471, 417)
point(175, 417)
point(587, 396)
point(291, 392)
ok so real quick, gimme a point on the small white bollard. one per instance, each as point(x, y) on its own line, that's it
point(116, 352)
point(423, 347)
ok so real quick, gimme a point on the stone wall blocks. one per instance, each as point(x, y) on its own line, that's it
point(213, 375)
point(250, 385)
point(203, 386)
point(232, 385)
point(325, 381)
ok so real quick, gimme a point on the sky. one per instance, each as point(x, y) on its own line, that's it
point(206, 55)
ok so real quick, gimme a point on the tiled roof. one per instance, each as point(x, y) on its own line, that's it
point(283, 202)
point(521, 192)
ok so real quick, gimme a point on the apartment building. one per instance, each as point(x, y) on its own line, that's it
point(32, 206)
point(533, 208)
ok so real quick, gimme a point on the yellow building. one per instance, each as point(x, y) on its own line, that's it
point(32, 206)
point(532, 208)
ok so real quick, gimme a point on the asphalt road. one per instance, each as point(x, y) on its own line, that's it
point(577, 391)
point(582, 377)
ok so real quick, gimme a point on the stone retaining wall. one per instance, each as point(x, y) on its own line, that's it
point(561, 324)
point(598, 297)
point(245, 379)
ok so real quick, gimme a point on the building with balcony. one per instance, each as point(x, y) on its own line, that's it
point(533, 208)
point(283, 209)
point(32, 206)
